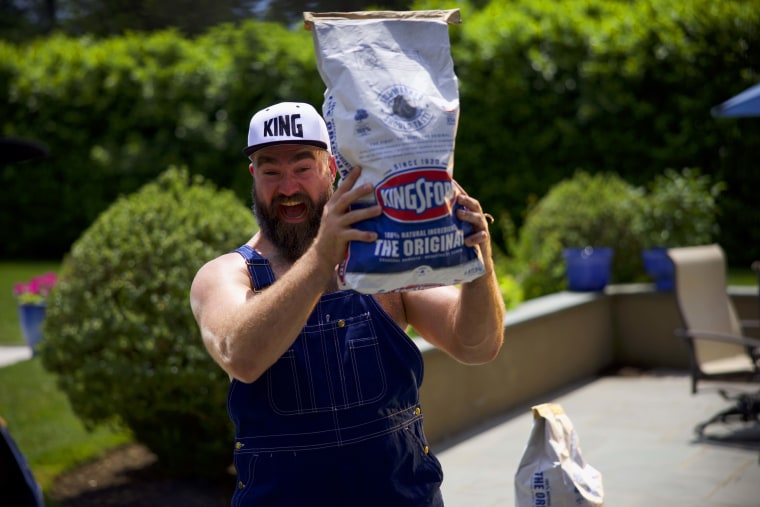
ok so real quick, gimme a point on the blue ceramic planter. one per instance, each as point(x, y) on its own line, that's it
point(588, 269)
point(659, 267)
point(30, 317)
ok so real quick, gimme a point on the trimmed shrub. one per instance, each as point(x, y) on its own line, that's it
point(674, 209)
point(119, 332)
point(586, 210)
point(682, 209)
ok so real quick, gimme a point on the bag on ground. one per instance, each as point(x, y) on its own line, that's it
point(552, 471)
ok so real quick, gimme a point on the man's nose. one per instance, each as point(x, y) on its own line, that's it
point(289, 185)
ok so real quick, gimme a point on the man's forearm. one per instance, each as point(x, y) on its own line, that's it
point(479, 320)
point(270, 321)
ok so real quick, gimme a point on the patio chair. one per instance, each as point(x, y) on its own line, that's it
point(712, 332)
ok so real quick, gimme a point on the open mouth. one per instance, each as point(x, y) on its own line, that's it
point(292, 211)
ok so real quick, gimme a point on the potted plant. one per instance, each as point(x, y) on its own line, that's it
point(588, 269)
point(659, 267)
point(31, 297)
point(681, 210)
point(586, 210)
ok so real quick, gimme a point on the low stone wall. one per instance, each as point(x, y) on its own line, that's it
point(554, 341)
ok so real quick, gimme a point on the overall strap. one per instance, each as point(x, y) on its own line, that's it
point(258, 268)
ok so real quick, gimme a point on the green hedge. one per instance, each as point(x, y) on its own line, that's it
point(119, 333)
point(116, 112)
point(547, 88)
point(552, 87)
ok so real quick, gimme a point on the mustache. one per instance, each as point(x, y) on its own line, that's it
point(291, 240)
point(291, 200)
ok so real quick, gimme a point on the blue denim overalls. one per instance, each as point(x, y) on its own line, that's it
point(336, 420)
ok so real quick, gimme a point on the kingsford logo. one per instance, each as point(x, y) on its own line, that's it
point(419, 195)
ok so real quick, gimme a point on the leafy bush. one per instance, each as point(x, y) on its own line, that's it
point(510, 288)
point(115, 112)
point(681, 209)
point(119, 331)
point(585, 210)
point(603, 85)
point(547, 87)
point(674, 209)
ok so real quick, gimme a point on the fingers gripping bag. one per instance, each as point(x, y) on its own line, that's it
point(552, 471)
point(392, 107)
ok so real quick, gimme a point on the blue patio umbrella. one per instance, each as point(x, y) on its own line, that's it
point(747, 103)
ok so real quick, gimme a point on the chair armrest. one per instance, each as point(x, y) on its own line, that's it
point(692, 334)
point(749, 323)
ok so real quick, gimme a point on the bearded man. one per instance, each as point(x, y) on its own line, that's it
point(324, 391)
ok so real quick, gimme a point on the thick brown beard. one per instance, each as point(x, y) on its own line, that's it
point(290, 240)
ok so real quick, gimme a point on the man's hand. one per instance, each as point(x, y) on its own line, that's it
point(470, 211)
point(468, 323)
point(337, 229)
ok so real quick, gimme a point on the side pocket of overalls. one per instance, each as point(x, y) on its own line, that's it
point(245, 466)
point(428, 469)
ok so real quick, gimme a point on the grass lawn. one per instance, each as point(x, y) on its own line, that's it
point(38, 414)
point(741, 277)
point(45, 429)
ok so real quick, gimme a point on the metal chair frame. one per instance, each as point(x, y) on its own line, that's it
point(712, 332)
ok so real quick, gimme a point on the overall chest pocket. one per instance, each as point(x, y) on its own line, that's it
point(334, 365)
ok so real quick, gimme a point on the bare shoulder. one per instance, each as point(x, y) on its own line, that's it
point(225, 265)
point(219, 275)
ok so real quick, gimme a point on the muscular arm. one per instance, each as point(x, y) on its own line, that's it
point(246, 333)
point(467, 323)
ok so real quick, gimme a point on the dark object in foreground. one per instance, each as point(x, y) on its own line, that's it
point(14, 150)
point(17, 483)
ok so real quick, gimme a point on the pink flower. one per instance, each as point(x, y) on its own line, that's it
point(36, 290)
point(20, 288)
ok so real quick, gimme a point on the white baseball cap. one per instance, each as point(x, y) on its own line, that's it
point(287, 123)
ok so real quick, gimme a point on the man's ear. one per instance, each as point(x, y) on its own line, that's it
point(250, 168)
point(333, 168)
